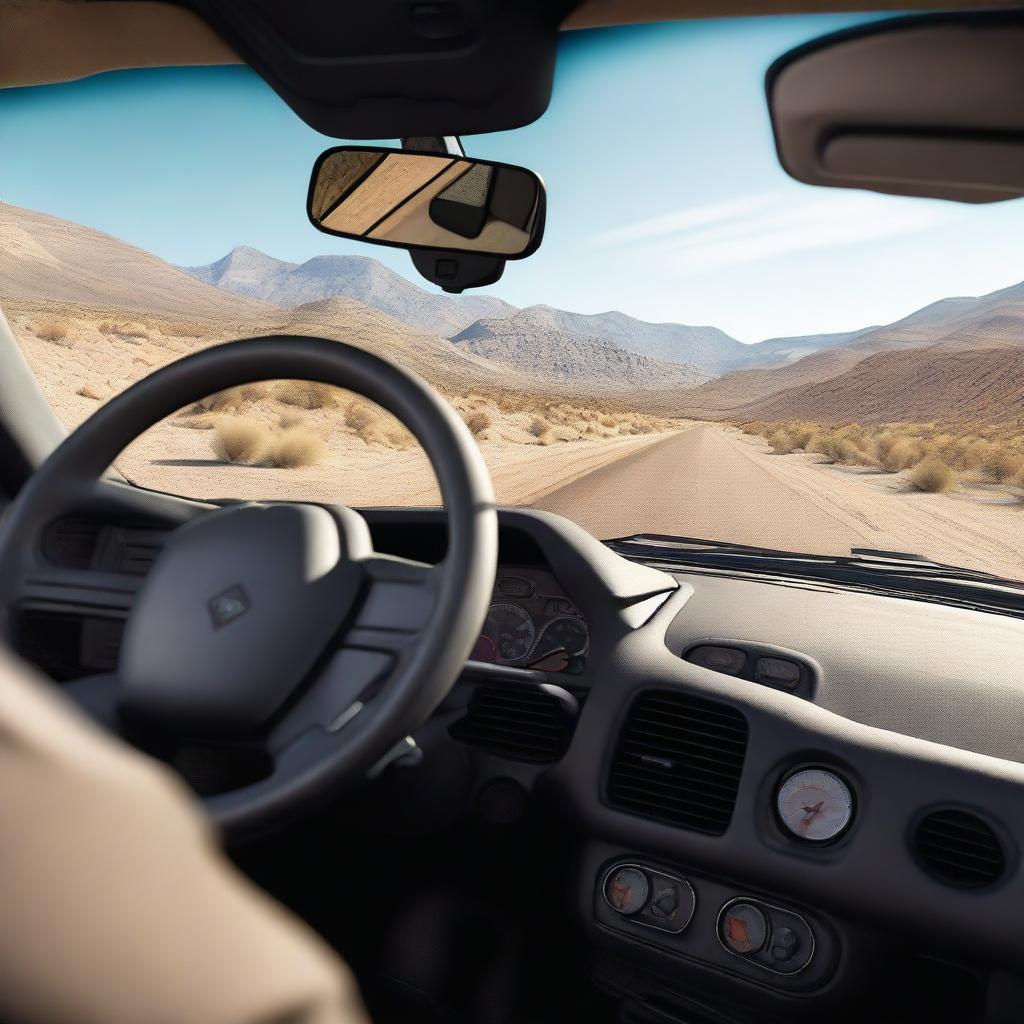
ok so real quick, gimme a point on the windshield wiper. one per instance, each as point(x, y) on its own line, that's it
point(909, 575)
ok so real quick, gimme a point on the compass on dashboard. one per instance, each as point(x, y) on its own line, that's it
point(815, 804)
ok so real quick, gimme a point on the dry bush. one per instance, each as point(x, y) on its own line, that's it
point(1003, 465)
point(932, 474)
point(295, 447)
point(539, 426)
point(781, 442)
point(92, 392)
point(237, 439)
point(198, 421)
point(51, 330)
point(307, 394)
point(901, 454)
point(125, 328)
point(360, 415)
point(609, 421)
point(479, 421)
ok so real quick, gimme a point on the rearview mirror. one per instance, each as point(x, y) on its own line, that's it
point(921, 106)
point(427, 201)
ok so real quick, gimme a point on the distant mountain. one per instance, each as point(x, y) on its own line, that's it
point(789, 350)
point(44, 257)
point(707, 348)
point(254, 274)
point(531, 341)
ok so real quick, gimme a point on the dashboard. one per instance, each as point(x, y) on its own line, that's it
point(532, 622)
point(775, 794)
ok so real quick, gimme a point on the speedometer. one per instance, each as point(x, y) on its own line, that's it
point(815, 804)
point(511, 630)
point(566, 633)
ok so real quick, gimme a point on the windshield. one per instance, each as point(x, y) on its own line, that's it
point(701, 346)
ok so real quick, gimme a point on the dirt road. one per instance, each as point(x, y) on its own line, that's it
point(711, 481)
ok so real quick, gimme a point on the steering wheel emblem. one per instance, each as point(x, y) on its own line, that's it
point(228, 606)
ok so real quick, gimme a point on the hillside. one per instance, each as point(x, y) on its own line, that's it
point(733, 395)
point(923, 384)
point(529, 343)
point(43, 257)
point(253, 274)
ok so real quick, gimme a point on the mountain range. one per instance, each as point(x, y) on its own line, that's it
point(255, 275)
point(706, 351)
point(958, 356)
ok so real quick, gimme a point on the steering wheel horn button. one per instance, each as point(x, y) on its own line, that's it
point(224, 665)
point(228, 606)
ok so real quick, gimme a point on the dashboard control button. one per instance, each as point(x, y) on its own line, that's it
point(627, 890)
point(728, 660)
point(743, 928)
point(665, 902)
point(784, 944)
point(778, 672)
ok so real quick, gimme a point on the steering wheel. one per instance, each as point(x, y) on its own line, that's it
point(275, 625)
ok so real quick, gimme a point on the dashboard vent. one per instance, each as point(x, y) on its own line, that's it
point(679, 760)
point(74, 543)
point(521, 722)
point(958, 848)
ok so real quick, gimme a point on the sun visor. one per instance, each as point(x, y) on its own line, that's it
point(380, 69)
point(923, 106)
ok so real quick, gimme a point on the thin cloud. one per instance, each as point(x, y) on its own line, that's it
point(699, 239)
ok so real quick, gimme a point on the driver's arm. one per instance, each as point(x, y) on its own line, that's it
point(116, 904)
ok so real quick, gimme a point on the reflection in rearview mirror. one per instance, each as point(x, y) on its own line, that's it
point(427, 201)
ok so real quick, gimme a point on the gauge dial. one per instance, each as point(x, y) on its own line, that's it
point(511, 630)
point(815, 804)
point(567, 633)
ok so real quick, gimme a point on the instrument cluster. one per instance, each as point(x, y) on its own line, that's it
point(532, 623)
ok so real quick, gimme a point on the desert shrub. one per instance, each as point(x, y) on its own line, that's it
point(237, 439)
point(1003, 465)
point(295, 447)
point(932, 474)
point(479, 421)
point(827, 444)
point(307, 394)
point(978, 453)
point(781, 442)
point(51, 330)
point(801, 437)
point(360, 415)
point(125, 328)
point(198, 421)
point(901, 454)
point(539, 426)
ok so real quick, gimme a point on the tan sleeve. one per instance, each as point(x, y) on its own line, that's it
point(116, 904)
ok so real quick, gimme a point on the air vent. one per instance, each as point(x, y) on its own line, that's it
point(958, 848)
point(74, 543)
point(522, 722)
point(679, 760)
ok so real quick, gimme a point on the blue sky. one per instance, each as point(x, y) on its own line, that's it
point(665, 197)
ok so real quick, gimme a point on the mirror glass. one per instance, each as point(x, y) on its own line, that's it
point(427, 200)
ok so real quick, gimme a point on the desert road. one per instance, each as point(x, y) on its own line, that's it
point(712, 482)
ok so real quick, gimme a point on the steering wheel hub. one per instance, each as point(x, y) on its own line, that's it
point(234, 615)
